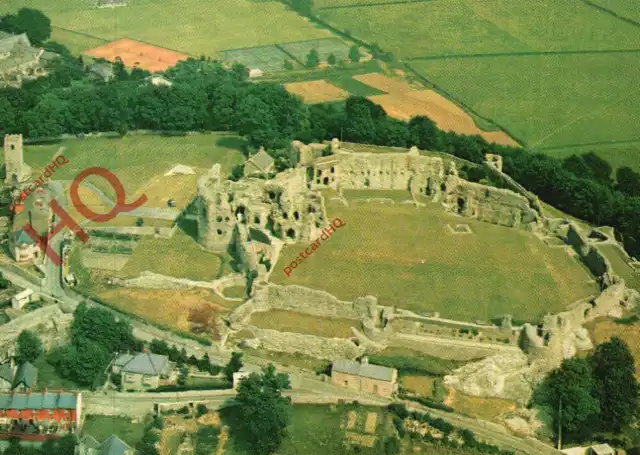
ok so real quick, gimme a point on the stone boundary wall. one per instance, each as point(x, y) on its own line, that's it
point(36, 281)
point(315, 346)
point(595, 261)
point(166, 232)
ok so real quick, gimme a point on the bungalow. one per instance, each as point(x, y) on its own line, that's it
point(141, 371)
point(364, 377)
point(22, 413)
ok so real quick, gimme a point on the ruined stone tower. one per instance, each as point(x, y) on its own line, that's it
point(16, 170)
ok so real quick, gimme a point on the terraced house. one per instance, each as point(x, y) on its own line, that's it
point(141, 371)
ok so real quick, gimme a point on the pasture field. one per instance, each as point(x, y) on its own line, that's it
point(484, 27)
point(324, 47)
point(408, 259)
point(624, 8)
point(292, 321)
point(547, 100)
point(617, 155)
point(316, 91)
point(266, 58)
point(188, 26)
point(136, 159)
point(327, 4)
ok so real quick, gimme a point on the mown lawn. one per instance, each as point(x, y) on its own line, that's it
point(48, 377)
point(292, 321)
point(188, 26)
point(407, 258)
point(136, 159)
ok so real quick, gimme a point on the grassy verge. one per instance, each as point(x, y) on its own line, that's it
point(409, 361)
point(101, 427)
point(292, 321)
point(48, 377)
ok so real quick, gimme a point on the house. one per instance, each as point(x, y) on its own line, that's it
point(18, 59)
point(32, 414)
point(113, 445)
point(255, 72)
point(141, 371)
point(101, 71)
point(33, 210)
point(365, 377)
point(259, 164)
point(21, 378)
point(23, 297)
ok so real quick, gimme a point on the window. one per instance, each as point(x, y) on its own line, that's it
point(375, 388)
point(346, 383)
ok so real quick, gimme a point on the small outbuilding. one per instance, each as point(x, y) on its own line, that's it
point(365, 377)
point(601, 449)
point(259, 164)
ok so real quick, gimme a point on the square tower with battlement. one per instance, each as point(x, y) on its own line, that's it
point(15, 170)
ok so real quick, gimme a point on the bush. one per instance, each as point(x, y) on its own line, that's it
point(183, 410)
point(201, 410)
point(217, 385)
point(391, 445)
point(399, 424)
point(398, 409)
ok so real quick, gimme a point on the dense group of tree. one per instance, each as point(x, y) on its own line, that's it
point(95, 337)
point(66, 445)
point(593, 395)
point(33, 22)
point(206, 95)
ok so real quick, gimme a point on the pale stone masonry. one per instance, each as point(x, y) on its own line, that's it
point(365, 377)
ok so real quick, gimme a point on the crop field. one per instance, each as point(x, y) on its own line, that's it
point(408, 259)
point(625, 8)
point(292, 321)
point(316, 91)
point(548, 100)
point(266, 58)
point(552, 73)
point(137, 159)
point(324, 47)
point(188, 26)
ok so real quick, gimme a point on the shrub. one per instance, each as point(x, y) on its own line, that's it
point(201, 410)
point(399, 409)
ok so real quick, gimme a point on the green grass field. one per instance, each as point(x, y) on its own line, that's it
point(136, 159)
point(188, 26)
point(462, 27)
point(620, 266)
point(266, 58)
point(292, 321)
point(550, 100)
point(618, 155)
point(624, 8)
point(496, 270)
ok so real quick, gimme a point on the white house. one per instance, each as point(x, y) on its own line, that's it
point(19, 300)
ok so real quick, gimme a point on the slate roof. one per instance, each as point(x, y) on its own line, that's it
point(6, 372)
point(19, 401)
point(365, 370)
point(262, 160)
point(113, 445)
point(89, 442)
point(26, 374)
point(144, 363)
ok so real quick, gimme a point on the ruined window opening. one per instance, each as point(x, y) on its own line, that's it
point(461, 204)
point(296, 215)
point(291, 233)
point(13, 147)
point(319, 172)
point(366, 183)
point(256, 219)
point(272, 195)
point(226, 218)
point(375, 388)
point(318, 181)
point(325, 180)
point(333, 169)
point(230, 197)
point(312, 209)
point(368, 172)
point(240, 214)
point(219, 232)
point(309, 174)
point(218, 219)
point(285, 215)
point(443, 187)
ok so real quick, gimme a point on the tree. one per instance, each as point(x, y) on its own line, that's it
point(183, 375)
point(313, 58)
point(424, 133)
point(614, 372)
point(33, 22)
point(628, 181)
point(160, 347)
point(576, 165)
point(234, 365)
point(237, 172)
point(601, 168)
point(572, 383)
point(288, 64)
point(304, 7)
point(264, 412)
point(331, 59)
point(29, 347)
point(354, 53)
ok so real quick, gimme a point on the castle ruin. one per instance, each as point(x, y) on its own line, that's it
point(16, 171)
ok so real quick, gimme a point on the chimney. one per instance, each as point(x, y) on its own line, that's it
point(364, 360)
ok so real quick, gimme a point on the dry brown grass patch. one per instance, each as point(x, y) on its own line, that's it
point(141, 55)
point(604, 330)
point(364, 440)
point(492, 409)
point(383, 83)
point(371, 423)
point(179, 187)
point(316, 91)
point(422, 385)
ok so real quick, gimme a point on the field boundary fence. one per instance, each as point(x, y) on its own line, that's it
point(361, 5)
point(611, 12)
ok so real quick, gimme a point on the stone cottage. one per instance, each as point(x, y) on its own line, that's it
point(259, 164)
point(365, 377)
point(141, 371)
